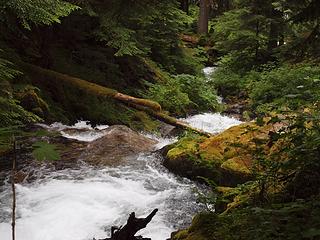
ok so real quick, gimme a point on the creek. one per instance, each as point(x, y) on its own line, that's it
point(84, 202)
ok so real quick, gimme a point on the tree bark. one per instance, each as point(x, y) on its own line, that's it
point(92, 88)
point(170, 120)
point(203, 17)
point(13, 173)
point(273, 36)
point(150, 107)
point(184, 5)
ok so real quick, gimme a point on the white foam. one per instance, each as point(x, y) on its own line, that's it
point(87, 136)
point(211, 122)
point(162, 141)
point(82, 204)
point(86, 132)
point(208, 71)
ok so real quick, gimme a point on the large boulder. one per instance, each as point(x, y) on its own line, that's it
point(225, 158)
point(213, 158)
point(117, 146)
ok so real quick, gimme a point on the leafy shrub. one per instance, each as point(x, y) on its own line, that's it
point(290, 86)
point(13, 114)
point(45, 151)
point(184, 93)
point(227, 82)
point(270, 87)
point(200, 92)
point(170, 96)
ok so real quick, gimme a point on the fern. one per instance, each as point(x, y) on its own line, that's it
point(45, 151)
point(37, 11)
point(13, 114)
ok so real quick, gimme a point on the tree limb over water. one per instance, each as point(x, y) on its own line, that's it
point(150, 107)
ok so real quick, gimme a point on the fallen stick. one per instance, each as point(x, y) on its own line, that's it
point(133, 225)
point(13, 172)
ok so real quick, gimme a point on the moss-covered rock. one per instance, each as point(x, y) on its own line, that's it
point(214, 158)
point(225, 158)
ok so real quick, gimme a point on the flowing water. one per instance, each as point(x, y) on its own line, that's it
point(82, 203)
point(79, 204)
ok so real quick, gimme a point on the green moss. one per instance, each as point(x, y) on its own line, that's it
point(236, 165)
point(141, 121)
point(185, 147)
point(290, 221)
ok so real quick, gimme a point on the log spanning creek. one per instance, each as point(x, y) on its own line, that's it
point(84, 202)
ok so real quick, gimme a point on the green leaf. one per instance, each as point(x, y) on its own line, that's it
point(45, 151)
point(311, 233)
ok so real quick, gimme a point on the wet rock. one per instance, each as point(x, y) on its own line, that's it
point(225, 158)
point(119, 145)
point(212, 158)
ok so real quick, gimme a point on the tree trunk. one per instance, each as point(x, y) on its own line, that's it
point(257, 41)
point(203, 17)
point(184, 5)
point(150, 107)
point(170, 120)
point(273, 36)
point(92, 88)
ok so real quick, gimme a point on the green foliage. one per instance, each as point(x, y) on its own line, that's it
point(241, 36)
point(290, 86)
point(7, 71)
point(7, 136)
point(270, 87)
point(255, 32)
point(146, 28)
point(199, 91)
point(183, 93)
point(170, 96)
point(227, 82)
point(13, 114)
point(44, 151)
point(37, 11)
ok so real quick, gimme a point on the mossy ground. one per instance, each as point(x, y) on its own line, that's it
point(287, 221)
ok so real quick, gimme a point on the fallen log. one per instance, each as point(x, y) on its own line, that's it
point(170, 120)
point(92, 88)
point(150, 107)
point(133, 225)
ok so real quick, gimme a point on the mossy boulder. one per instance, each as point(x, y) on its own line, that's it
point(212, 158)
point(225, 158)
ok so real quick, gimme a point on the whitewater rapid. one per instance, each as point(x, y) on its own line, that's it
point(82, 203)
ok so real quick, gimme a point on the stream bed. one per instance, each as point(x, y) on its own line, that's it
point(82, 203)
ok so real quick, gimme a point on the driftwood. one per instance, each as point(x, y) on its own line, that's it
point(13, 172)
point(170, 120)
point(128, 231)
point(150, 107)
point(92, 88)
